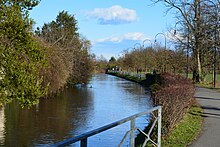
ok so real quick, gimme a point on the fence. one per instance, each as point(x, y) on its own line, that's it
point(83, 138)
point(141, 76)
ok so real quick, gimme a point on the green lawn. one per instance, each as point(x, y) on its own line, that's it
point(208, 77)
point(208, 80)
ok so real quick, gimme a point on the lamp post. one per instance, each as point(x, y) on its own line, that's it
point(165, 39)
point(145, 41)
point(146, 53)
point(137, 44)
point(136, 65)
point(165, 45)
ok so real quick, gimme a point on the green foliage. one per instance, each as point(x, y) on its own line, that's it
point(101, 64)
point(31, 66)
point(112, 59)
point(62, 31)
point(149, 59)
point(56, 73)
point(20, 55)
point(69, 48)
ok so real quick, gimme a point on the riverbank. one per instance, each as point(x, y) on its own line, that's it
point(104, 100)
point(145, 80)
point(187, 129)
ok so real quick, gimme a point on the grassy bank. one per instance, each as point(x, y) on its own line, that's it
point(208, 81)
point(186, 131)
point(124, 76)
point(146, 81)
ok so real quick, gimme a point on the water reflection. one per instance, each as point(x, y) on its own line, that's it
point(52, 120)
point(75, 111)
point(2, 126)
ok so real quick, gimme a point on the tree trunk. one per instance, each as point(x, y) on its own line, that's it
point(199, 66)
point(198, 71)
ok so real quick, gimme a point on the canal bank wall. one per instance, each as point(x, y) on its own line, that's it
point(145, 80)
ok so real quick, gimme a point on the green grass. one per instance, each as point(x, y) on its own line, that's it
point(208, 81)
point(127, 77)
point(186, 131)
point(208, 77)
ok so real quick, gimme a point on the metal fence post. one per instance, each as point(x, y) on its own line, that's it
point(83, 143)
point(159, 126)
point(83, 138)
point(132, 136)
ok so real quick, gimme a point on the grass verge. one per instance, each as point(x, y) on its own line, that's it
point(208, 86)
point(124, 76)
point(187, 130)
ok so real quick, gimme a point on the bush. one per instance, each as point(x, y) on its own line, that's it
point(56, 73)
point(175, 95)
point(21, 58)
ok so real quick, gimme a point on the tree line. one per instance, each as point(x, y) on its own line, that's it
point(195, 36)
point(197, 32)
point(36, 64)
point(151, 59)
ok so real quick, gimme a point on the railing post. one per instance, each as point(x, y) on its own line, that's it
point(159, 127)
point(132, 136)
point(83, 138)
point(83, 143)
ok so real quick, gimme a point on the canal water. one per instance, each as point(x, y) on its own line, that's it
point(77, 110)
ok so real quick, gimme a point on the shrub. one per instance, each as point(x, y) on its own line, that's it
point(21, 58)
point(175, 95)
point(56, 73)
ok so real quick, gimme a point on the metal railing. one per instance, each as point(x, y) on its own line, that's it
point(83, 138)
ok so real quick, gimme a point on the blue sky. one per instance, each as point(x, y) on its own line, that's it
point(112, 26)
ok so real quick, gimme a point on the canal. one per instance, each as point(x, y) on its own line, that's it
point(77, 110)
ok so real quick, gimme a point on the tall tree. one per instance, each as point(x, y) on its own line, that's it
point(21, 57)
point(72, 48)
point(194, 16)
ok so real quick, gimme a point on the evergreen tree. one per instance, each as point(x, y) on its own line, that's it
point(21, 57)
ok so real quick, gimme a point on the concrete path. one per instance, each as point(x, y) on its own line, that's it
point(210, 102)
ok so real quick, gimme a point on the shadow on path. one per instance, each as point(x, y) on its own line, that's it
point(209, 101)
point(205, 98)
point(210, 108)
point(211, 115)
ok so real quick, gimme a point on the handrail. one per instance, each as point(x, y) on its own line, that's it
point(83, 137)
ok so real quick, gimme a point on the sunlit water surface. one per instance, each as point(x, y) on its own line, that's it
point(77, 110)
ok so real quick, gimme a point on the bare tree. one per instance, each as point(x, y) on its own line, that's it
point(196, 18)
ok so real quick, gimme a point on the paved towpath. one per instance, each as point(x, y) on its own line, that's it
point(210, 102)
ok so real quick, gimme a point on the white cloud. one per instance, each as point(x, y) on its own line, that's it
point(128, 36)
point(114, 15)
